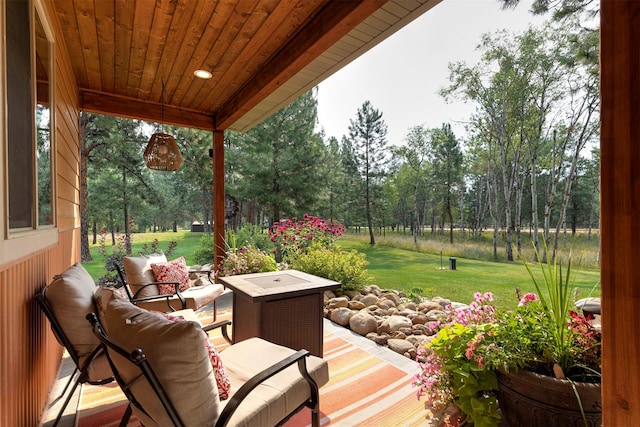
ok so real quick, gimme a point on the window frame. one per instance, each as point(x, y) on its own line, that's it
point(19, 242)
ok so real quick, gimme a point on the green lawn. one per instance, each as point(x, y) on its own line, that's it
point(400, 269)
point(403, 270)
point(187, 244)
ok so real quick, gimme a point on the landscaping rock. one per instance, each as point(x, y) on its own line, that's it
point(369, 299)
point(393, 297)
point(422, 330)
point(435, 315)
point(400, 346)
point(385, 303)
point(419, 319)
point(328, 295)
point(427, 306)
point(411, 306)
point(356, 305)
point(394, 323)
point(417, 340)
point(388, 318)
point(378, 339)
point(338, 302)
point(444, 303)
point(363, 323)
point(341, 316)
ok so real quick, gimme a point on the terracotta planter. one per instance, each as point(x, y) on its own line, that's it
point(527, 399)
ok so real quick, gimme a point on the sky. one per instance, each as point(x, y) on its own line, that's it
point(402, 75)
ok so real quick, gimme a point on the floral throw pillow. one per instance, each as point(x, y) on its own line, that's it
point(222, 379)
point(171, 271)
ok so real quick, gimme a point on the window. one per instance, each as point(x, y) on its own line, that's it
point(29, 87)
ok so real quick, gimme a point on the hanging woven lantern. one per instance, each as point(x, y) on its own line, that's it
point(162, 153)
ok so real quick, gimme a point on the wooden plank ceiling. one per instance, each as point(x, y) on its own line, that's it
point(262, 53)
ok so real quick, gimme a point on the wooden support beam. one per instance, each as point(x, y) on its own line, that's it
point(218, 200)
point(105, 103)
point(620, 210)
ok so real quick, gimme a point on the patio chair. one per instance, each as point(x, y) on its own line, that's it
point(172, 381)
point(174, 290)
point(66, 301)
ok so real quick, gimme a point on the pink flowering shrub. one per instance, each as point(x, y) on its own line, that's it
point(458, 364)
point(293, 237)
point(453, 369)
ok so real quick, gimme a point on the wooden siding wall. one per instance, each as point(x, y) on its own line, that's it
point(29, 353)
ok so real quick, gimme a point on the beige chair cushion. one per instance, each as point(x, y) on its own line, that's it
point(175, 351)
point(70, 297)
point(138, 271)
point(277, 397)
point(195, 297)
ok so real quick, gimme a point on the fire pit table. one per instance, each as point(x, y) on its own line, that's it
point(284, 307)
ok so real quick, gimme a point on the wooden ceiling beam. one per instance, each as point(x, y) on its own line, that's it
point(332, 22)
point(106, 103)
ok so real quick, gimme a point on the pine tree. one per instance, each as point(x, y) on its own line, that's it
point(368, 135)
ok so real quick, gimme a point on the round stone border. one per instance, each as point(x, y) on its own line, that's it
point(388, 317)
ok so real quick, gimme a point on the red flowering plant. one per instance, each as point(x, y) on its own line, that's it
point(544, 334)
point(294, 236)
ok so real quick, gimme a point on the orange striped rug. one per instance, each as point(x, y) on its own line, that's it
point(363, 390)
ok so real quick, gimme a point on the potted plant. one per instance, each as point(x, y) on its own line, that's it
point(489, 362)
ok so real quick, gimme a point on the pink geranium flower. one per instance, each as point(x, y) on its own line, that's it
point(527, 298)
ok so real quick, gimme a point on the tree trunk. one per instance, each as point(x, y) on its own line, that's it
point(85, 253)
point(127, 235)
point(534, 207)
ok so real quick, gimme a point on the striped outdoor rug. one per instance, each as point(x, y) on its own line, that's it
point(363, 390)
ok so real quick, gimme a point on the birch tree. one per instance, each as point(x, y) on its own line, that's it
point(414, 153)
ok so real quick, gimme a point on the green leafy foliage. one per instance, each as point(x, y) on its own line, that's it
point(247, 259)
point(204, 253)
point(458, 364)
point(346, 267)
point(114, 258)
point(251, 235)
point(248, 235)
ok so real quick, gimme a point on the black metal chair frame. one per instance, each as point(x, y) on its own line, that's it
point(80, 372)
point(134, 298)
point(138, 358)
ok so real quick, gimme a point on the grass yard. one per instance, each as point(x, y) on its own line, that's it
point(187, 244)
point(394, 268)
point(402, 269)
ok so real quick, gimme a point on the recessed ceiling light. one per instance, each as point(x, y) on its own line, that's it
point(203, 74)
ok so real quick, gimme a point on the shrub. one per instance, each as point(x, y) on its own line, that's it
point(248, 235)
point(204, 254)
point(348, 268)
point(113, 260)
point(247, 260)
point(252, 235)
point(116, 259)
point(292, 237)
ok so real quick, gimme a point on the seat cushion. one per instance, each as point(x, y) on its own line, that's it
point(175, 351)
point(195, 297)
point(278, 396)
point(70, 297)
point(138, 271)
